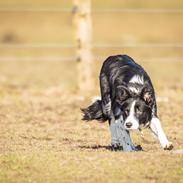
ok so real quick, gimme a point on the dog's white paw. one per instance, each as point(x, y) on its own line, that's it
point(168, 146)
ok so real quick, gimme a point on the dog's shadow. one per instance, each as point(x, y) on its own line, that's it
point(101, 147)
point(104, 147)
point(95, 147)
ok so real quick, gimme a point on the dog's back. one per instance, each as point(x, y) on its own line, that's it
point(117, 71)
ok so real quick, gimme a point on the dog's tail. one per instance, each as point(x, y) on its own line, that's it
point(94, 112)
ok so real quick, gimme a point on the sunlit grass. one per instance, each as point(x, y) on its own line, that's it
point(42, 137)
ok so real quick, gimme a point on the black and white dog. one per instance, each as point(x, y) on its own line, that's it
point(127, 92)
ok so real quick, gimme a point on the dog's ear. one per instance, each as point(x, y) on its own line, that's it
point(146, 95)
point(122, 93)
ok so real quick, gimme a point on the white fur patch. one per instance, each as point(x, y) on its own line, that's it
point(108, 107)
point(137, 79)
point(134, 90)
point(156, 128)
point(95, 98)
point(131, 118)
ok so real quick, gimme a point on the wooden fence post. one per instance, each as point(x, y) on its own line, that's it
point(83, 36)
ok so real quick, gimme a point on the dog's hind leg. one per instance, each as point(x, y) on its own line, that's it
point(105, 95)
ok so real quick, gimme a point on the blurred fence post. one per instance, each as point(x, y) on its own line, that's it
point(83, 36)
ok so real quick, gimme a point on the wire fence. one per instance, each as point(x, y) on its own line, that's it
point(73, 58)
point(103, 45)
point(94, 45)
point(103, 10)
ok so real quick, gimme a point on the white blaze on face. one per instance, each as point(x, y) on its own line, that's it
point(131, 118)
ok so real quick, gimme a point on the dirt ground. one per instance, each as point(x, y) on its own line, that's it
point(42, 137)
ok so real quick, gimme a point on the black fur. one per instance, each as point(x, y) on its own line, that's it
point(94, 111)
point(115, 76)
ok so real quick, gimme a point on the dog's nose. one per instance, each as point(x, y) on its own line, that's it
point(128, 124)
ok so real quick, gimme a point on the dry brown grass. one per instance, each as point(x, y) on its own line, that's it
point(42, 137)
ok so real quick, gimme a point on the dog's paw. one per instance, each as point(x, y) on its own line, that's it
point(168, 146)
point(138, 148)
point(116, 147)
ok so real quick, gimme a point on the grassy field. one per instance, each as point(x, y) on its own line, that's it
point(42, 137)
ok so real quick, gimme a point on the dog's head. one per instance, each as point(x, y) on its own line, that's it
point(136, 113)
point(135, 109)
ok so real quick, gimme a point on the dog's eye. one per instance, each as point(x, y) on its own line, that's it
point(138, 110)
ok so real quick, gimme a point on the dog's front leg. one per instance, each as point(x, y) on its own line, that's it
point(120, 137)
point(156, 128)
point(114, 135)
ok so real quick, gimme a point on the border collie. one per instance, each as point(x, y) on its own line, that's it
point(127, 92)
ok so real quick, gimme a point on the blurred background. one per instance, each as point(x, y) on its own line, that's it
point(48, 50)
point(42, 33)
